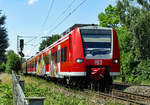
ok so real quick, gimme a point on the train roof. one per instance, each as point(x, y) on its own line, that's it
point(75, 26)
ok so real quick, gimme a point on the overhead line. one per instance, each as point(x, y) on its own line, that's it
point(50, 9)
point(67, 16)
point(31, 40)
point(65, 9)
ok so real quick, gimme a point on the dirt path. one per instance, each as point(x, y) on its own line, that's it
point(6, 78)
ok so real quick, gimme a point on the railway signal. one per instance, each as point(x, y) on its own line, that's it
point(21, 47)
point(21, 44)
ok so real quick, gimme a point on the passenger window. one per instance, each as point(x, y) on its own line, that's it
point(65, 54)
point(47, 59)
point(62, 55)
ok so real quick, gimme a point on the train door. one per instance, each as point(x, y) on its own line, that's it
point(50, 65)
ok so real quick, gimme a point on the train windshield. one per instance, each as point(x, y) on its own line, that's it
point(97, 43)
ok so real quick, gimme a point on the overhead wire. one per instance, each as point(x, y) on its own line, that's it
point(49, 10)
point(65, 10)
point(56, 26)
point(44, 22)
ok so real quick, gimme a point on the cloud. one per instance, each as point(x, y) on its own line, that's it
point(30, 2)
point(45, 32)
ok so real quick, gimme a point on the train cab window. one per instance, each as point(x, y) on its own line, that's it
point(65, 54)
point(62, 55)
point(97, 44)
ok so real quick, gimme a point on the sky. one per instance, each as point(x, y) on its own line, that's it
point(33, 19)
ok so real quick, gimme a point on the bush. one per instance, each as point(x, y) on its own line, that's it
point(2, 67)
point(143, 70)
point(6, 97)
point(13, 63)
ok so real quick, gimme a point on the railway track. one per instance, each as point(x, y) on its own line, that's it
point(123, 97)
point(121, 86)
point(131, 97)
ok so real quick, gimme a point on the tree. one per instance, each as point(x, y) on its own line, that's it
point(49, 41)
point(134, 36)
point(137, 20)
point(135, 15)
point(110, 18)
point(13, 62)
point(3, 38)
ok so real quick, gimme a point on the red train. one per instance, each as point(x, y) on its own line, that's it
point(85, 53)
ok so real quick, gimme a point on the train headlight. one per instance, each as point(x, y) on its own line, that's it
point(79, 60)
point(116, 61)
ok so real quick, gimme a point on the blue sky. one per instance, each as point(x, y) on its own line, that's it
point(26, 18)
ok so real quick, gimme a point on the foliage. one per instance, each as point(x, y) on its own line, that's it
point(2, 67)
point(109, 18)
point(136, 18)
point(3, 38)
point(13, 62)
point(134, 36)
point(48, 41)
point(6, 97)
point(143, 69)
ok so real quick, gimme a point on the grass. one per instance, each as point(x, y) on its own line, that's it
point(54, 94)
point(6, 97)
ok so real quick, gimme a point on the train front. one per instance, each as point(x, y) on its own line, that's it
point(101, 52)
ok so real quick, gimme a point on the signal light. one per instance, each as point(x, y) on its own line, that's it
point(21, 44)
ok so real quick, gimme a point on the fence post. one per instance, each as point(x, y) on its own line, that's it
point(21, 82)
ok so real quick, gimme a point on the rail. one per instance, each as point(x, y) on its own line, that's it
point(135, 98)
point(18, 93)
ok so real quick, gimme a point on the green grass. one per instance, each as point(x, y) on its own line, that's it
point(6, 97)
point(54, 94)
